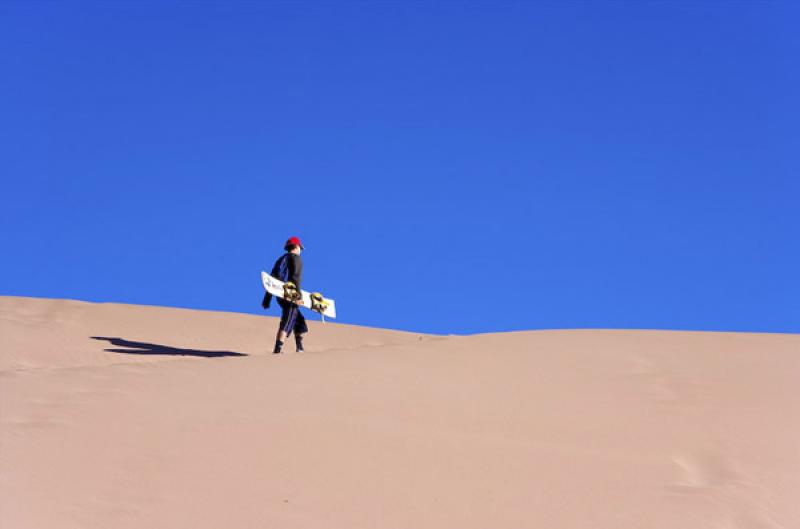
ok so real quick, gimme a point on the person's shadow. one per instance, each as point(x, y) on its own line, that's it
point(143, 348)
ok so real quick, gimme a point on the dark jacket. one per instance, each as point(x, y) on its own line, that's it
point(288, 267)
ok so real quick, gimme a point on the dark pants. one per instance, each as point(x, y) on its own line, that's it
point(292, 319)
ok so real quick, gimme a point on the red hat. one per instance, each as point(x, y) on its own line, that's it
point(294, 241)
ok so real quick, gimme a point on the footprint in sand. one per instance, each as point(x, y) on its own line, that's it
point(739, 499)
point(658, 379)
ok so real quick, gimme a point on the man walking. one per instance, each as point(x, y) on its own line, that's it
point(289, 268)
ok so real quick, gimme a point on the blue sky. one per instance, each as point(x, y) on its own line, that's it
point(452, 167)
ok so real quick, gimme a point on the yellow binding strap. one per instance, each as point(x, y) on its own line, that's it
point(290, 292)
point(318, 303)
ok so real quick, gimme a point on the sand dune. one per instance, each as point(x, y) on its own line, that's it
point(127, 416)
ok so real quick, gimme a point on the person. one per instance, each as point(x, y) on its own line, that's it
point(289, 267)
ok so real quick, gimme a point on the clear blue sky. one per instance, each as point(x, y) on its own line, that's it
point(452, 166)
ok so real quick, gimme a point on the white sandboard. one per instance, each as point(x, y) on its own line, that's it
point(275, 287)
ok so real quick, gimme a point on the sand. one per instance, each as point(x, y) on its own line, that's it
point(119, 416)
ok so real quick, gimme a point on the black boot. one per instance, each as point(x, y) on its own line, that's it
point(298, 341)
point(278, 347)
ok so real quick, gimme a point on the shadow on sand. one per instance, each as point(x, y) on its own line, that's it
point(143, 348)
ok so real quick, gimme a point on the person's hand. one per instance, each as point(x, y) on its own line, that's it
point(299, 302)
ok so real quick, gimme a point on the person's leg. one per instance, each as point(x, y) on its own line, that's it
point(288, 314)
point(279, 340)
point(300, 328)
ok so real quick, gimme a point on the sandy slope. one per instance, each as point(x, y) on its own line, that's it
point(184, 421)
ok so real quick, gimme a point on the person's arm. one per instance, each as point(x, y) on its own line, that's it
point(296, 272)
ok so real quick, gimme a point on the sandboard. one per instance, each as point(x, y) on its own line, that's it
point(275, 287)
